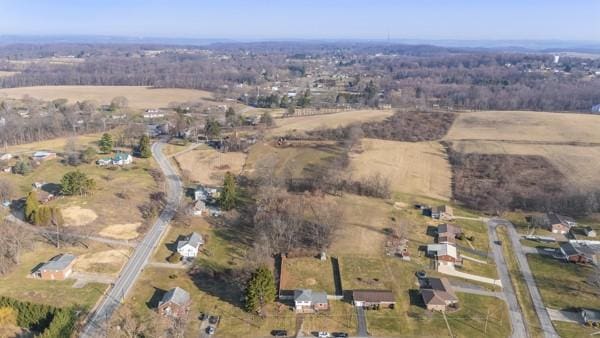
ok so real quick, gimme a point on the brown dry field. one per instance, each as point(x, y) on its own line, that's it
point(139, 97)
point(78, 216)
point(121, 231)
point(578, 163)
point(304, 123)
point(526, 126)
point(208, 166)
point(420, 168)
point(108, 261)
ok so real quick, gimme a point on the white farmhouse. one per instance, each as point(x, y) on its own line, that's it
point(188, 248)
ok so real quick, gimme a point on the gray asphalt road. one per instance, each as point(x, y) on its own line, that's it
point(538, 304)
point(361, 319)
point(97, 322)
point(514, 310)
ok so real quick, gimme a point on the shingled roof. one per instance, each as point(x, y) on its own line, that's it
point(177, 296)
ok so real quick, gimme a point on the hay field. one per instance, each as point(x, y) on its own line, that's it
point(139, 97)
point(304, 123)
point(78, 216)
point(108, 261)
point(416, 168)
point(578, 163)
point(526, 126)
point(121, 231)
point(205, 165)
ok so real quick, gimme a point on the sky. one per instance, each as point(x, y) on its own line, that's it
point(569, 20)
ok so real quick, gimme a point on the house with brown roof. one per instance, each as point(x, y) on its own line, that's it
point(57, 268)
point(373, 299)
point(438, 295)
point(558, 224)
point(576, 252)
point(447, 233)
point(442, 212)
point(445, 253)
point(175, 303)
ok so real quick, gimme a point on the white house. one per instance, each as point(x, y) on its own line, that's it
point(5, 156)
point(199, 208)
point(122, 159)
point(153, 114)
point(188, 247)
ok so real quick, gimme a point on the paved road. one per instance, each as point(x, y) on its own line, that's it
point(516, 316)
point(361, 319)
point(538, 304)
point(97, 321)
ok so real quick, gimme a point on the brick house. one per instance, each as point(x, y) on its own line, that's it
point(558, 224)
point(175, 303)
point(57, 268)
point(373, 299)
point(309, 301)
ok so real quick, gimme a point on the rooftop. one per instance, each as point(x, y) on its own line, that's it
point(373, 296)
point(308, 295)
point(59, 262)
point(194, 239)
point(176, 295)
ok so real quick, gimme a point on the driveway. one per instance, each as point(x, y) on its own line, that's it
point(565, 316)
point(361, 319)
point(451, 271)
point(538, 304)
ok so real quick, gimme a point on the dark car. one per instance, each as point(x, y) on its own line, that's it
point(210, 330)
point(498, 242)
point(202, 316)
point(340, 334)
point(421, 274)
point(213, 319)
point(279, 333)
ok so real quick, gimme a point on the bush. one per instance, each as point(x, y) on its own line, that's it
point(49, 320)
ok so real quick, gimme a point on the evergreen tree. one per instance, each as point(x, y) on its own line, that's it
point(22, 168)
point(144, 147)
point(76, 182)
point(212, 128)
point(31, 207)
point(228, 197)
point(106, 143)
point(260, 290)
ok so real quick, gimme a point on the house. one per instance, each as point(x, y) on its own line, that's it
point(590, 317)
point(558, 224)
point(175, 303)
point(199, 208)
point(57, 268)
point(445, 253)
point(204, 193)
point(373, 299)
point(104, 161)
point(596, 108)
point(443, 212)
point(438, 295)
point(153, 114)
point(122, 159)
point(38, 185)
point(188, 247)
point(43, 156)
point(309, 301)
point(576, 252)
point(5, 156)
point(447, 233)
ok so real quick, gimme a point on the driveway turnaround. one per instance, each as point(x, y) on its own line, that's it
point(97, 321)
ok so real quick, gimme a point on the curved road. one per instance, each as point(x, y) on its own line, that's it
point(97, 323)
point(513, 305)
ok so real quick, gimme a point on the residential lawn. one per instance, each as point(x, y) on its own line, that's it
point(564, 285)
point(170, 148)
point(468, 321)
point(308, 273)
point(536, 244)
point(572, 330)
point(478, 230)
point(341, 317)
point(16, 284)
point(519, 285)
point(476, 268)
point(364, 273)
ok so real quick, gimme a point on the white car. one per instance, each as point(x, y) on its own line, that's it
point(323, 334)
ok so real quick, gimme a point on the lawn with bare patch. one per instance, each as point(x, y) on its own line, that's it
point(121, 231)
point(205, 165)
point(308, 273)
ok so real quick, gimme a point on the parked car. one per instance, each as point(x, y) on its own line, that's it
point(498, 242)
point(202, 316)
point(210, 330)
point(340, 334)
point(323, 334)
point(279, 333)
point(421, 274)
point(213, 319)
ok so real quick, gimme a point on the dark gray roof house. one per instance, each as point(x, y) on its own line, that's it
point(59, 262)
point(177, 296)
point(308, 295)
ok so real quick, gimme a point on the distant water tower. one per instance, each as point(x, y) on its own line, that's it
point(556, 58)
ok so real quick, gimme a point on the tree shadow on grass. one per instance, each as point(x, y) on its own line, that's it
point(224, 283)
point(157, 296)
